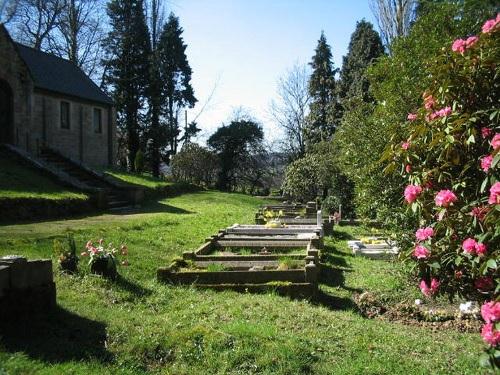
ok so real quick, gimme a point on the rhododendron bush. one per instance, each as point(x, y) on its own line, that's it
point(450, 156)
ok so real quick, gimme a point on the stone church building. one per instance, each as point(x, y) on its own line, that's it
point(47, 101)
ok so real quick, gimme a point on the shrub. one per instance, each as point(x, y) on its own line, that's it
point(450, 158)
point(195, 164)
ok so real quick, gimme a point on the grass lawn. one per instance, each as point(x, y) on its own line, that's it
point(137, 326)
point(144, 180)
point(18, 181)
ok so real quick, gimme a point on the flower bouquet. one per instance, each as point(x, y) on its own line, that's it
point(103, 259)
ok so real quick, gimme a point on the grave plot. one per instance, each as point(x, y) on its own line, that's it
point(255, 262)
point(374, 248)
point(285, 210)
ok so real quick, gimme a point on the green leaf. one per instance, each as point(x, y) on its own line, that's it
point(435, 265)
point(483, 185)
point(491, 264)
point(495, 161)
point(471, 139)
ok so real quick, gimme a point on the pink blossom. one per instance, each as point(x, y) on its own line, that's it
point(486, 132)
point(429, 291)
point(486, 163)
point(435, 285)
point(490, 334)
point(408, 168)
point(412, 192)
point(411, 117)
point(490, 311)
point(479, 212)
point(458, 46)
point(494, 193)
point(471, 41)
point(495, 142)
point(446, 111)
point(490, 25)
point(469, 245)
point(444, 198)
point(421, 252)
point(429, 102)
point(484, 283)
point(423, 234)
point(405, 145)
point(88, 245)
point(481, 248)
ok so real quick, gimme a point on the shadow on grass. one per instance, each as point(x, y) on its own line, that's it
point(131, 287)
point(343, 236)
point(57, 336)
point(335, 303)
point(152, 207)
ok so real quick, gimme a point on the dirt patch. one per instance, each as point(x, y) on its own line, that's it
point(435, 317)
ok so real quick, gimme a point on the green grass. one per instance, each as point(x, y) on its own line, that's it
point(138, 326)
point(144, 180)
point(18, 181)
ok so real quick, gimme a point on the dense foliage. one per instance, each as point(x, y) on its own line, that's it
point(127, 47)
point(364, 47)
point(450, 158)
point(324, 107)
point(236, 146)
point(195, 164)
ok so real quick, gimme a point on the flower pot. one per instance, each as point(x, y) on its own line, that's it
point(105, 267)
point(69, 264)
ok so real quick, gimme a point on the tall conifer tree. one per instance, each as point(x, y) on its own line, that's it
point(324, 108)
point(365, 46)
point(128, 50)
point(175, 72)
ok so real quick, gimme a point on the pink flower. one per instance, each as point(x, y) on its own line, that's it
point(469, 245)
point(479, 212)
point(429, 102)
point(490, 334)
point(471, 41)
point(408, 168)
point(444, 198)
point(412, 192)
point(458, 46)
point(481, 248)
point(495, 142)
point(405, 145)
point(411, 116)
point(433, 288)
point(490, 311)
point(486, 132)
point(84, 254)
point(490, 25)
point(423, 234)
point(486, 163)
point(446, 111)
point(88, 245)
point(421, 252)
point(494, 193)
point(484, 283)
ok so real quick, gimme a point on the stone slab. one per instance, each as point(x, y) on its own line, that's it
point(4, 279)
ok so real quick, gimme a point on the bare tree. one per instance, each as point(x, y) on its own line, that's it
point(35, 20)
point(78, 34)
point(394, 17)
point(8, 10)
point(290, 109)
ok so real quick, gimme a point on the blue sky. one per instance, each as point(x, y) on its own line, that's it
point(243, 46)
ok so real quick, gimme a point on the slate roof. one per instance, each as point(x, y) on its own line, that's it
point(56, 74)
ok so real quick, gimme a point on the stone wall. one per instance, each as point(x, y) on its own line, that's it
point(14, 72)
point(80, 142)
